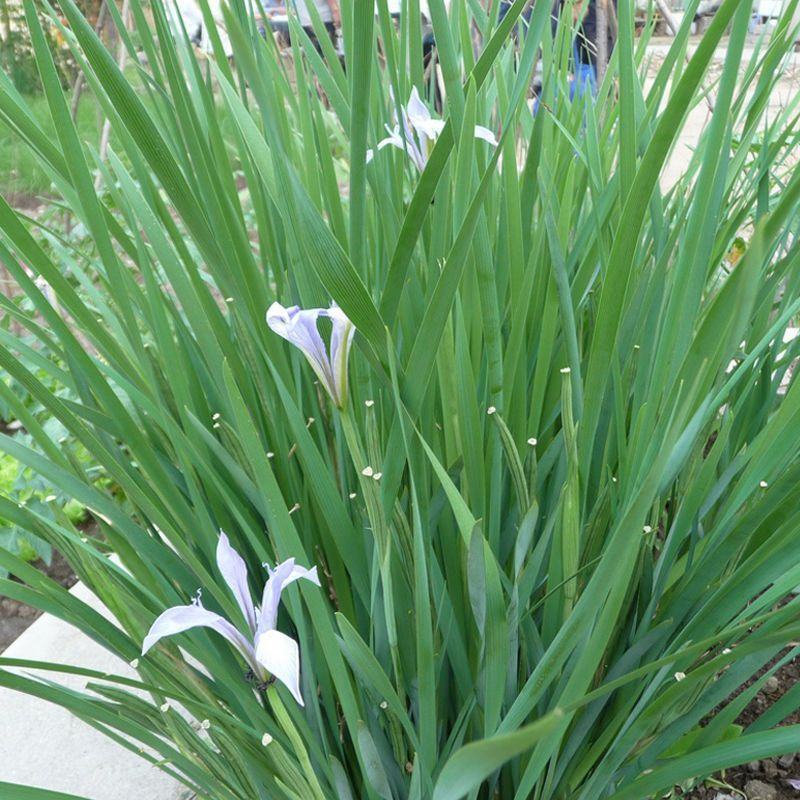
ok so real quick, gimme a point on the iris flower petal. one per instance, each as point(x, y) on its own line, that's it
point(411, 145)
point(301, 572)
point(279, 578)
point(418, 130)
point(279, 654)
point(422, 129)
point(232, 567)
point(183, 618)
point(272, 595)
point(429, 128)
point(394, 139)
point(341, 340)
point(485, 134)
point(417, 111)
point(299, 326)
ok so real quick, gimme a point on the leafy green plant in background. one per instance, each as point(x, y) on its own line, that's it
point(16, 52)
point(555, 520)
point(19, 482)
point(24, 486)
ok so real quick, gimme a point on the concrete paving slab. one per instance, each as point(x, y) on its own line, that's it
point(45, 746)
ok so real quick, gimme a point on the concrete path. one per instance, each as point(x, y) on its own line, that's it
point(699, 115)
point(45, 746)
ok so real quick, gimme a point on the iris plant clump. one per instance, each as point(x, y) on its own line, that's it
point(525, 408)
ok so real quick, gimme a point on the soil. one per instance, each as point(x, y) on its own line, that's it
point(770, 778)
point(15, 617)
point(25, 201)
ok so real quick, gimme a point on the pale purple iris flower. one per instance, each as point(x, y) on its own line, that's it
point(267, 651)
point(299, 326)
point(418, 131)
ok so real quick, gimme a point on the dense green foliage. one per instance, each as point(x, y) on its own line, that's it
point(578, 532)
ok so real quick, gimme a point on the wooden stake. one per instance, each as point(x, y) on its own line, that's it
point(122, 57)
point(601, 34)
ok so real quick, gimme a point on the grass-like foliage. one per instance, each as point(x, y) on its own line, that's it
point(556, 513)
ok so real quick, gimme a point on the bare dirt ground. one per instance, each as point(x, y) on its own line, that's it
point(785, 91)
point(770, 778)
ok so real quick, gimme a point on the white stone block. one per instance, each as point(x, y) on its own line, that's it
point(43, 745)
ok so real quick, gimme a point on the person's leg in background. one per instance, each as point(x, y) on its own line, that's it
point(584, 78)
point(329, 29)
point(584, 52)
point(429, 58)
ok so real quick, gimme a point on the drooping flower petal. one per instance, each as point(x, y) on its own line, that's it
point(486, 135)
point(232, 567)
point(279, 654)
point(301, 572)
point(299, 326)
point(405, 142)
point(179, 619)
point(279, 578)
point(394, 139)
point(341, 340)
